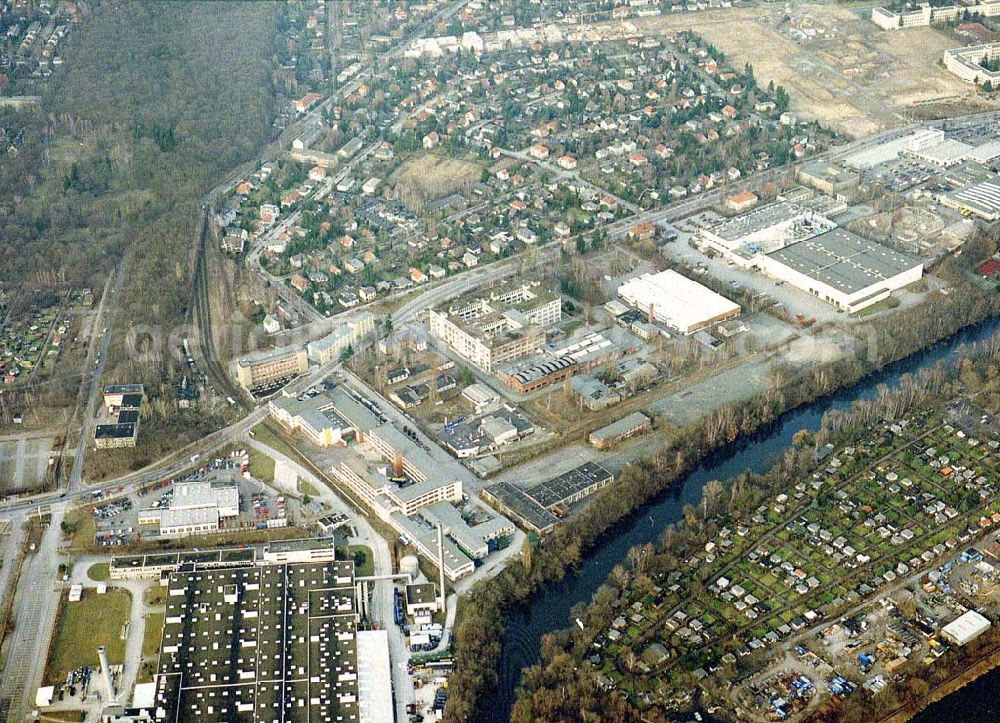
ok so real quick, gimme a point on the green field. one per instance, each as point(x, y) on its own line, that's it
point(99, 571)
point(82, 626)
point(367, 566)
point(261, 466)
point(152, 634)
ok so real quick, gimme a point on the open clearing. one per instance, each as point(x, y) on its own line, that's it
point(427, 177)
point(82, 626)
point(23, 463)
point(849, 74)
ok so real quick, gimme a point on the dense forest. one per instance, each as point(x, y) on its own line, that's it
point(155, 102)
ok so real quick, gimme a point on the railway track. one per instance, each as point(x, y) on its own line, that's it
point(201, 320)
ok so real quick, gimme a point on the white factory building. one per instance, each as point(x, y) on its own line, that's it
point(794, 243)
point(842, 269)
point(196, 508)
point(965, 628)
point(677, 301)
point(763, 230)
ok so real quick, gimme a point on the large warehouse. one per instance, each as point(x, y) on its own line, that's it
point(965, 628)
point(762, 230)
point(677, 301)
point(842, 268)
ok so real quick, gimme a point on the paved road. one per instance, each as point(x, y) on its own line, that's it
point(35, 609)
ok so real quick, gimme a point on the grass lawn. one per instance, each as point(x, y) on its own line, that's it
point(63, 716)
point(261, 466)
point(367, 566)
point(82, 626)
point(155, 595)
point(99, 571)
point(307, 489)
point(79, 526)
point(265, 433)
point(152, 634)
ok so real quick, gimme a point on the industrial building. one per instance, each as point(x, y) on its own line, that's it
point(462, 544)
point(118, 419)
point(264, 372)
point(470, 437)
point(980, 199)
point(421, 597)
point(539, 508)
point(325, 419)
point(503, 325)
point(515, 502)
point(629, 426)
point(677, 301)
point(965, 628)
point(829, 178)
point(273, 642)
point(792, 242)
point(593, 393)
point(762, 230)
point(196, 508)
point(842, 268)
point(347, 335)
point(581, 352)
point(400, 492)
point(392, 474)
point(155, 565)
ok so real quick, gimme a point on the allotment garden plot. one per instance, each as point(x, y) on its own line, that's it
point(868, 521)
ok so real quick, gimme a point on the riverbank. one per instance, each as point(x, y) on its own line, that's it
point(958, 680)
point(509, 617)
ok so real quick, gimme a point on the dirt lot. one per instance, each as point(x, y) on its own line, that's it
point(843, 71)
point(23, 463)
point(428, 176)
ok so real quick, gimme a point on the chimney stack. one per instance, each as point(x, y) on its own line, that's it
point(649, 314)
point(397, 465)
point(102, 654)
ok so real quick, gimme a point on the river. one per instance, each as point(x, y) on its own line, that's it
point(549, 609)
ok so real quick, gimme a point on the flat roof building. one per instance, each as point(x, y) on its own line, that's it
point(507, 323)
point(319, 419)
point(843, 268)
point(271, 642)
point(118, 419)
point(629, 426)
point(196, 508)
point(677, 301)
point(264, 372)
point(829, 178)
point(764, 229)
point(374, 677)
point(349, 334)
point(965, 628)
point(971, 62)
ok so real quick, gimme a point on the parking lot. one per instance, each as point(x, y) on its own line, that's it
point(116, 517)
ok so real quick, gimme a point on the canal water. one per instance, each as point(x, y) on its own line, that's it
point(549, 609)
